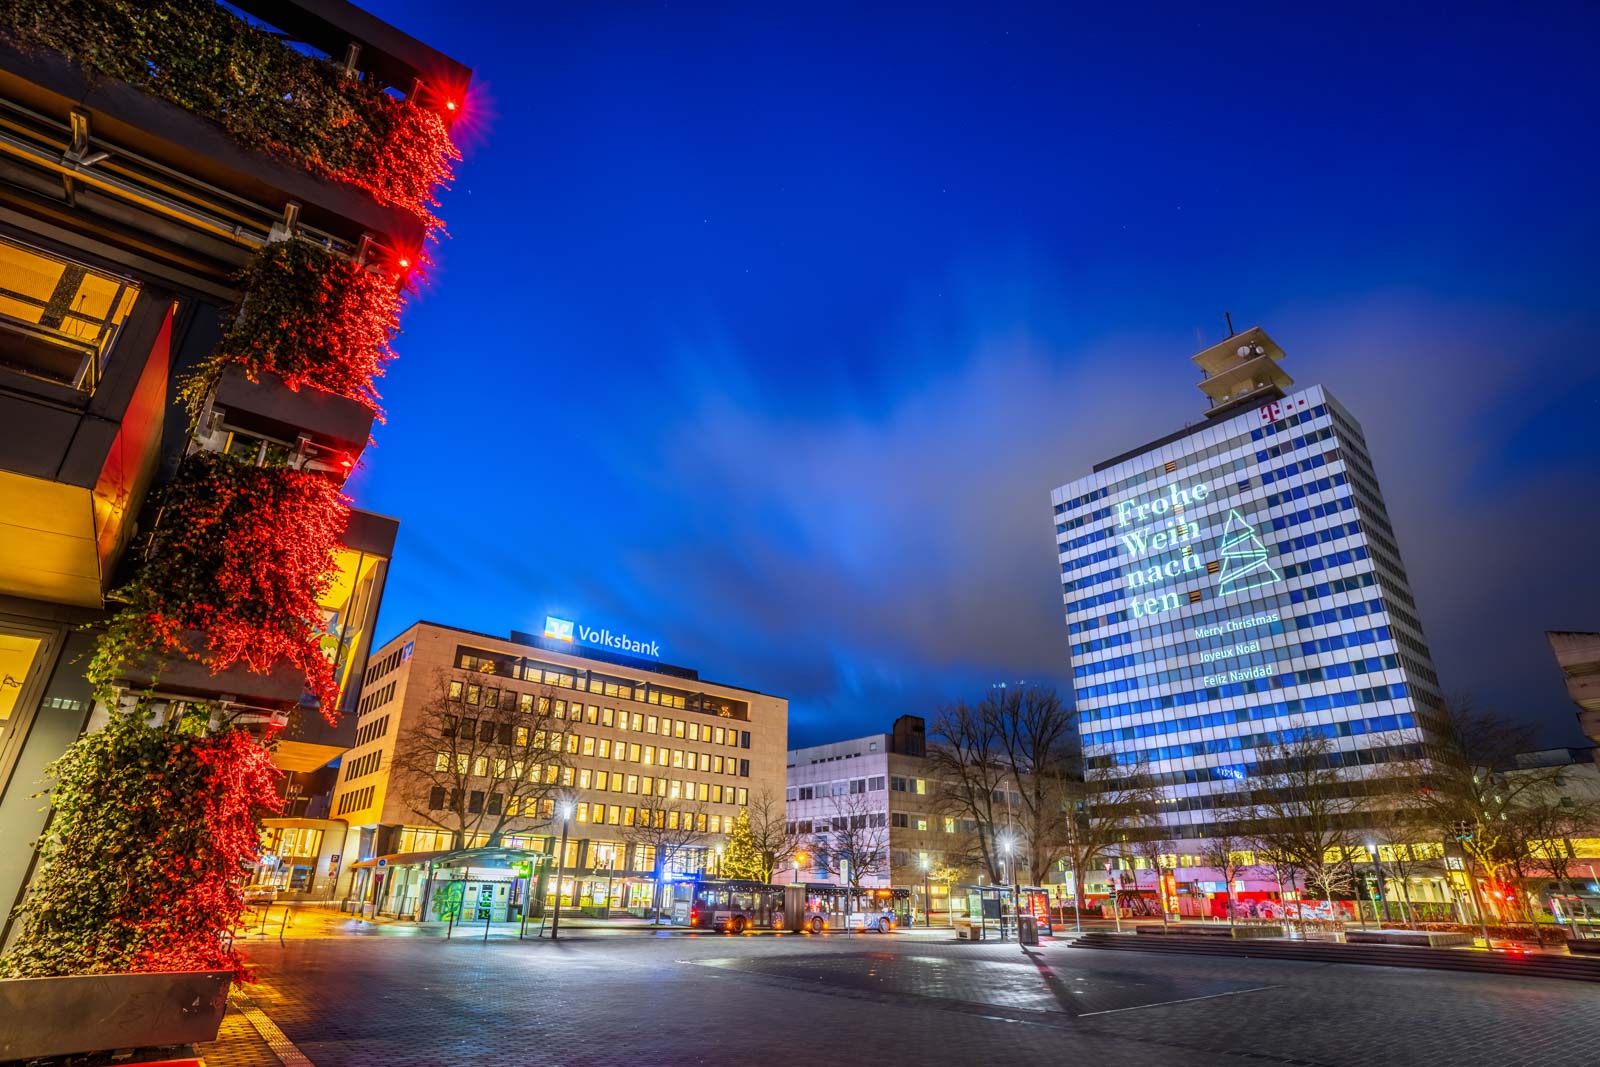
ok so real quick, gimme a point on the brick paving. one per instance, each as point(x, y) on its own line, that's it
point(238, 1044)
point(648, 1000)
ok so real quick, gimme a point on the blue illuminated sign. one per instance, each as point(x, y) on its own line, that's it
point(567, 630)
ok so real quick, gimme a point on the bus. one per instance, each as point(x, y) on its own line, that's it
point(843, 908)
point(734, 905)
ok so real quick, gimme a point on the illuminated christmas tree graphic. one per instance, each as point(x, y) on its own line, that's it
point(1244, 558)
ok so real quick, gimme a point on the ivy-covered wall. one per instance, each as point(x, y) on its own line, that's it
point(270, 97)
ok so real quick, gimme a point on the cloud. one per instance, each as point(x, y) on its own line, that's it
point(868, 559)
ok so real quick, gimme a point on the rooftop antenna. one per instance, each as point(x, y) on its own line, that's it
point(1229, 317)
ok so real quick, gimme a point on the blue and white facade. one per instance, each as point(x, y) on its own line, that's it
point(1232, 582)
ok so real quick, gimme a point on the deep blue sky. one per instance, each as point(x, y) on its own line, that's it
point(768, 333)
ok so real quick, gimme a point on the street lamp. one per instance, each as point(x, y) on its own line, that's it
point(564, 809)
point(1377, 873)
point(927, 901)
point(1010, 864)
point(799, 858)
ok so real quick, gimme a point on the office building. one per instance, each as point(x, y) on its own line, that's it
point(882, 789)
point(468, 742)
point(1235, 580)
point(126, 219)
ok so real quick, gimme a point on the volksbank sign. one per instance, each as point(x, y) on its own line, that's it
point(566, 630)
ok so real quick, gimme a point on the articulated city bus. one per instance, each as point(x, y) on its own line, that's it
point(840, 907)
point(734, 906)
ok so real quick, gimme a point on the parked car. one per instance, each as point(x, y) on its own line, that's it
point(259, 896)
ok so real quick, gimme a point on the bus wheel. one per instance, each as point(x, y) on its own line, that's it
point(883, 926)
point(738, 924)
point(816, 926)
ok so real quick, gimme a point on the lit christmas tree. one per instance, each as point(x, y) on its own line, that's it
point(739, 856)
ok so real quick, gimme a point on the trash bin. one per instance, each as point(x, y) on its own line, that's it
point(1027, 930)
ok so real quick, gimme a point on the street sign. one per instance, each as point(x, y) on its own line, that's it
point(383, 862)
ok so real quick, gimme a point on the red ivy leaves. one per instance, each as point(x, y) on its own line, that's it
point(153, 833)
point(240, 785)
point(241, 554)
point(312, 318)
point(415, 162)
point(270, 97)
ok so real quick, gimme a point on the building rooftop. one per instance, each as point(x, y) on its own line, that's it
point(601, 655)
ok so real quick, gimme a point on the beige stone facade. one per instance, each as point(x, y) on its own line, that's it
point(632, 734)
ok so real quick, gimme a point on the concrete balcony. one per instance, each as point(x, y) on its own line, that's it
point(75, 465)
point(317, 431)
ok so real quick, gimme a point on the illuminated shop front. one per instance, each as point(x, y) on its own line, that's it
point(1231, 584)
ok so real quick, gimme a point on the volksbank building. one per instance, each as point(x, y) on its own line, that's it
point(1235, 580)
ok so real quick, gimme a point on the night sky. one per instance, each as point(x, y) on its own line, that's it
point(767, 334)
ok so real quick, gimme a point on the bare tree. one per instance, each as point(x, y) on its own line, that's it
point(1300, 812)
point(1470, 797)
point(1037, 739)
point(1226, 852)
point(1553, 823)
point(666, 833)
point(1403, 841)
point(1106, 804)
point(856, 844)
point(771, 832)
point(1541, 826)
point(1155, 851)
point(968, 760)
point(486, 760)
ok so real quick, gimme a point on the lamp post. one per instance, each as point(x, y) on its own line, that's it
point(1016, 892)
point(799, 858)
point(1116, 896)
point(564, 809)
point(1077, 895)
point(927, 900)
point(1377, 873)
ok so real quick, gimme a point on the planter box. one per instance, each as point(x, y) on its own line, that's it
point(1212, 930)
point(1424, 938)
point(281, 687)
point(273, 409)
point(99, 1012)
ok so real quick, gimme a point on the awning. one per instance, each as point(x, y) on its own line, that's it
point(458, 857)
point(400, 859)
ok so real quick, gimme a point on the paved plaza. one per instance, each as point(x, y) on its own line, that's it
point(910, 998)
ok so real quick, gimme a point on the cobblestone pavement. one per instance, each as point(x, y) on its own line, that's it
point(648, 1000)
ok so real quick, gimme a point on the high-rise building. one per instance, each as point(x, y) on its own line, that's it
point(1236, 579)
